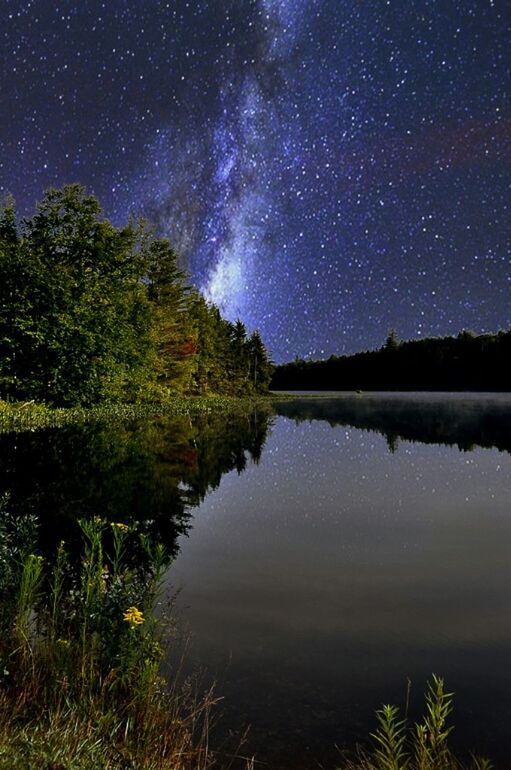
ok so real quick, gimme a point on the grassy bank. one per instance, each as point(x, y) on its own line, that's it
point(80, 653)
point(22, 416)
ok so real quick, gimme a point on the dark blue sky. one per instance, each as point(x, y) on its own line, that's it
point(328, 169)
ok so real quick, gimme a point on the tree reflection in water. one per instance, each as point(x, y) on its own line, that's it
point(153, 472)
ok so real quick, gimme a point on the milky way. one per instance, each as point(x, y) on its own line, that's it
point(327, 169)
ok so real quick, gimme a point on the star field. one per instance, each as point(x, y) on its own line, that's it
point(328, 169)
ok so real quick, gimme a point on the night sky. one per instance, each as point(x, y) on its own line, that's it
point(328, 169)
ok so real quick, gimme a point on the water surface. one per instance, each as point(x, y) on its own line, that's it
point(351, 559)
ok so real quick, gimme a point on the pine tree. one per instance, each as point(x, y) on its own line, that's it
point(392, 341)
point(175, 332)
point(261, 368)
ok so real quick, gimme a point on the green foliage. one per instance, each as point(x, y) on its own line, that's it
point(260, 366)
point(75, 318)
point(227, 361)
point(432, 734)
point(17, 542)
point(28, 416)
point(28, 594)
point(80, 652)
point(420, 746)
point(92, 313)
point(174, 328)
point(390, 738)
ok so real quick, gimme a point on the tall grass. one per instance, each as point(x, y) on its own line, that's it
point(80, 653)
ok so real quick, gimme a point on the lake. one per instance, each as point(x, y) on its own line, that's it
point(327, 553)
point(350, 559)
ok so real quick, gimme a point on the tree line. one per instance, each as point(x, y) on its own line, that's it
point(462, 363)
point(91, 313)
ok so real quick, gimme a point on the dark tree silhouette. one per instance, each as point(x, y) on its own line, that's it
point(466, 362)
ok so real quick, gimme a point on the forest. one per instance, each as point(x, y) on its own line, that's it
point(91, 313)
point(468, 362)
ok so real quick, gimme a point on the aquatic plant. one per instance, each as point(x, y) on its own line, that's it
point(422, 745)
point(30, 416)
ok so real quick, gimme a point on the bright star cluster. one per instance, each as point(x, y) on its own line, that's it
point(328, 169)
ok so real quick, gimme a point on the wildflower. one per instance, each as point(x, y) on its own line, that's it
point(120, 526)
point(134, 617)
point(64, 642)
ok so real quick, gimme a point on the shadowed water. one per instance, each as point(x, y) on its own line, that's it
point(150, 471)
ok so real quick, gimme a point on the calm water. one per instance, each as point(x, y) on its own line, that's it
point(346, 561)
point(324, 553)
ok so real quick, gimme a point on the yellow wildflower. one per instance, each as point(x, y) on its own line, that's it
point(134, 617)
point(120, 526)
